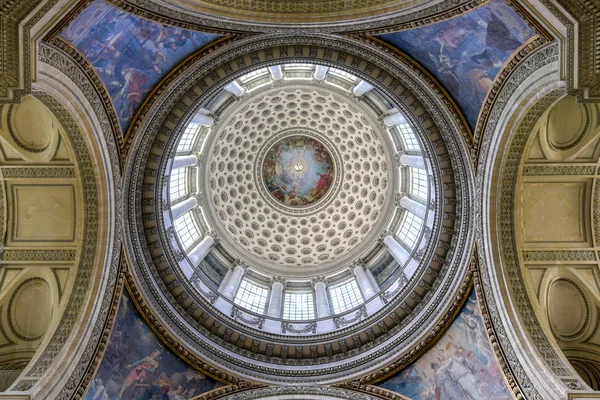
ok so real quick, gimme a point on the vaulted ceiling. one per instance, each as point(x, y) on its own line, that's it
point(503, 93)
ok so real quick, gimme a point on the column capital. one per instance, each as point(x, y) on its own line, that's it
point(278, 279)
point(213, 234)
point(200, 201)
point(397, 156)
point(357, 263)
point(384, 234)
point(241, 263)
point(318, 279)
point(399, 197)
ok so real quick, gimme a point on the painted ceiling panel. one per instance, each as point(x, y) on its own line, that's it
point(461, 365)
point(130, 54)
point(136, 364)
point(466, 53)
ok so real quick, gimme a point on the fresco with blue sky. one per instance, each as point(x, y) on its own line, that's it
point(137, 365)
point(131, 54)
point(465, 53)
point(461, 365)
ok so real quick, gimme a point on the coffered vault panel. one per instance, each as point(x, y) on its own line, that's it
point(43, 205)
point(557, 200)
point(466, 53)
point(318, 233)
point(130, 54)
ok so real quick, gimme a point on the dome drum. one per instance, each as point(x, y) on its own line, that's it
point(192, 305)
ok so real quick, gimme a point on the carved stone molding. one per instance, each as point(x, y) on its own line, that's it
point(96, 268)
point(583, 52)
point(358, 392)
point(534, 82)
point(267, 12)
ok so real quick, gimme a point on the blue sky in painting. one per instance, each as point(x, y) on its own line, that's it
point(466, 53)
point(137, 365)
point(461, 365)
point(131, 54)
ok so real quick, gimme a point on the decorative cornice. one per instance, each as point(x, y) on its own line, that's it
point(404, 19)
point(542, 64)
point(583, 50)
point(15, 46)
point(252, 392)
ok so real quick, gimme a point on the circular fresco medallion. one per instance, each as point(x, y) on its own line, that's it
point(298, 171)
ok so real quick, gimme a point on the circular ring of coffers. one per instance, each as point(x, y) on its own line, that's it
point(411, 317)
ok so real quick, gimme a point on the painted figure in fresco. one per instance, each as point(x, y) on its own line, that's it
point(475, 336)
point(154, 392)
point(140, 371)
point(100, 390)
point(447, 68)
point(177, 394)
point(298, 171)
point(454, 381)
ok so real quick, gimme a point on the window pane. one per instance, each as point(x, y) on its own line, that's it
point(186, 230)
point(188, 137)
point(408, 137)
point(345, 296)
point(177, 183)
point(418, 180)
point(342, 74)
point(298, 306)
point(251, 75)
point(298, 66)
point(251, 297)
point(409, 231)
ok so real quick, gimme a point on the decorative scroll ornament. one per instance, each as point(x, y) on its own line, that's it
point(308, 328)
point(340, 322)
point(239, 315)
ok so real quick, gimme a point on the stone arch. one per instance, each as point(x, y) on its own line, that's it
point(532, 361)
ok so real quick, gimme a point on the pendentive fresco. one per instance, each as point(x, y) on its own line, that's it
point(137, 365)
point(466, 53)
point(461, 365)
point(130, 54)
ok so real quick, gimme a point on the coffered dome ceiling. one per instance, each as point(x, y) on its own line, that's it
point(298, 177)
point(307, 178)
